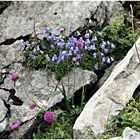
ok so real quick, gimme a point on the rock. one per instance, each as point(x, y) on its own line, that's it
point(3, 112)
point(112, 96)
point(4, 5)
point(129, 133)
point(33, 86)
point(19, 18)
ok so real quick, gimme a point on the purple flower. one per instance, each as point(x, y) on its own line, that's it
point(103, 59)
point(111, 58)
point(79, 44)
point(61, 45)
point(54, 57)
point(105, 50)
point(78, 33)
point(33, 57)
point(87, 35)
point(15, 125)
point(75, 51)
point(41, 52)
point(52, 46)
point(32, 105)
point(83, 54)
point(94, 55)
point(108, 60)
point(70, 53)
point(94, 39)
point(102, 46)
point(37, 48)
point(47, 30)
point(64, 53)
point(48, 58)
point(87, 41)
point(13, 77)
point(74, 59)
point(104, 43)
point(48, 116)
point(92, 47)
point(102, 54)
point(77, 63)
point(113, 46)
point(90, 32)
point(96, 66)
point(52, 37)
point(34, 50)
point(86, 47)
point(78, 56)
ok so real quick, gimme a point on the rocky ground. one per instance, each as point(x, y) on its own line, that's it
point(17, 20)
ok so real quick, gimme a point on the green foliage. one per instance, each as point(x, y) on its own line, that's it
point(128, 117)
point(121, 35)
point(61, 127)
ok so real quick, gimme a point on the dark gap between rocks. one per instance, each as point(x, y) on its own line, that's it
point(136, 93)
point(12, 40)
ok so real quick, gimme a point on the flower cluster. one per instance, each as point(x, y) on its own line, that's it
point(57, 49)
point(48, 116)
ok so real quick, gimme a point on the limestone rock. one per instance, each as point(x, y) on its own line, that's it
point(129, 133)
point(112, 96)
point(19, 18)
point(33, 86)
point(3, 112)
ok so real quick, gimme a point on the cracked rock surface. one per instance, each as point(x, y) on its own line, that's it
point(31, 86)
point(18, 19)
point(113, 95)
point(16, 23)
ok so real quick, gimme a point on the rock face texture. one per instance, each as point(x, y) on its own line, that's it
point(17, 21)
point(112, 96)
point(19, 18)
point(31, 86)
point(128, 133)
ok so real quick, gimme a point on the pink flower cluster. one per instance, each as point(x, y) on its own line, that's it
point(15, 125)
point(13, 77)
point(48, 116)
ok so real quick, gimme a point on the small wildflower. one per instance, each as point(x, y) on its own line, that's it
point(15, 125)
point(105, 50)
point(113, 46)
point(111, 58)
point(79, 44)
point(94, 39)
point(87, 35)
point(103, 59)
point(90, 32)
point(77, 63)
point(102, 54)
point(33, 57)
point(32, 105)
point(78, 33)
point(48, 58)
point(96, 66)
point(13, 77)
point(47, 30)
point(48, 116)
point(94, 55)
point(52, 46)
point(108, 60)
point(74, 59)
